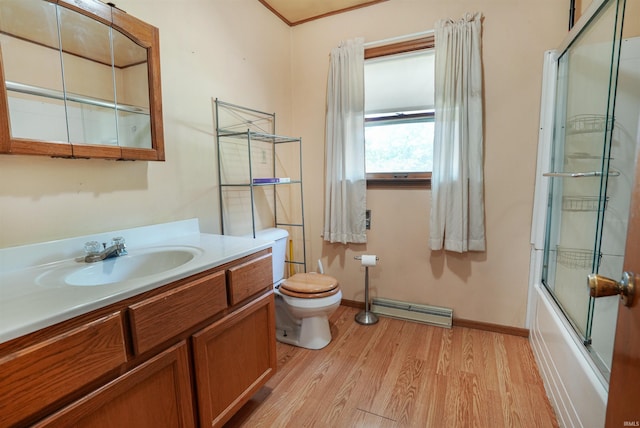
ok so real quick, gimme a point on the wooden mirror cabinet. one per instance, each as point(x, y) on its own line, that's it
point(81, 79)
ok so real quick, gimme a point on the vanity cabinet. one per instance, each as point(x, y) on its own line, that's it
point(182, 355)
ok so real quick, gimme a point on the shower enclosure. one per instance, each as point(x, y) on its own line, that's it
point(595, 134)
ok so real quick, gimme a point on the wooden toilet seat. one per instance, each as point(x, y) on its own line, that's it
point(309, 286)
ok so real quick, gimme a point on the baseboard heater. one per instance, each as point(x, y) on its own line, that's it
point(433, 315)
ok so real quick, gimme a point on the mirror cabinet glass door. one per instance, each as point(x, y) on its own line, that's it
point(82, 79)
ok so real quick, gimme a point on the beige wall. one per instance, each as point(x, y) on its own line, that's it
point(632, 19)
point(235, 50)
point(488, 287)
point(632, 16)
point(238, 51)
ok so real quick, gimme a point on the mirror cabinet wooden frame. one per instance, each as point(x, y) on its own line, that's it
point(145, 35)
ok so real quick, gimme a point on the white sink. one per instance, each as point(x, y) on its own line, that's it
point(35, 290)
point(136, 265)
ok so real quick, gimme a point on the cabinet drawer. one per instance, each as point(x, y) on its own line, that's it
point(37, 376)
point(249, 278)
point(158, 319)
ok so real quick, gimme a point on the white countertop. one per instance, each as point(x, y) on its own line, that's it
point(31, 298)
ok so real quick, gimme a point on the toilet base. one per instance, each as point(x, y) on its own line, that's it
point(305, 322)
point(310, 333)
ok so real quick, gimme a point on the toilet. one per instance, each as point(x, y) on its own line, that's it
point(304, 301)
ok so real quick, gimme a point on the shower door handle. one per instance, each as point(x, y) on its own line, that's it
point(600, 286)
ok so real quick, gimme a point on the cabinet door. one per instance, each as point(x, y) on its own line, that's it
point(234, 357)
point(155, 394)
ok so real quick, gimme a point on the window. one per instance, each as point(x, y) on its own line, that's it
point(399, 144)
point(399, 113)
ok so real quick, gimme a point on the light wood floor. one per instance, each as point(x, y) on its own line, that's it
point(403, 374)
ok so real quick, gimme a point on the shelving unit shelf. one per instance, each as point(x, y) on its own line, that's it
point(259, 171)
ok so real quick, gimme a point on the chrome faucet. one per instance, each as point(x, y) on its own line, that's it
point(96, 254)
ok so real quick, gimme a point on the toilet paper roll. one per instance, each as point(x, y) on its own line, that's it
point(369, 260)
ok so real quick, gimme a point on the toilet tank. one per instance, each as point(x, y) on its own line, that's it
point(279, 236)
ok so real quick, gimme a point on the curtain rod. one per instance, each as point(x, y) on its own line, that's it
point(399, 38)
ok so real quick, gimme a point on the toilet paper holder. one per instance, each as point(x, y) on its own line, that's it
point(360, 257)
point(366, 317)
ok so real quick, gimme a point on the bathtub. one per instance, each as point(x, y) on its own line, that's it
point(576, 388)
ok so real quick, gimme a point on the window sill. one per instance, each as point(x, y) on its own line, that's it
point(399, 183)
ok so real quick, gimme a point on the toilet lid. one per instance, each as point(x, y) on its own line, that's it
point(309, 285)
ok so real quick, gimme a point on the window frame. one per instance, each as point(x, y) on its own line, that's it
point(391, 179)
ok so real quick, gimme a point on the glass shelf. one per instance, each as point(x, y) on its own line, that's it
point(59, 95)
point(257, 136)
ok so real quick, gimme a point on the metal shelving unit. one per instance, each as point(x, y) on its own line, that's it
point(242, 135)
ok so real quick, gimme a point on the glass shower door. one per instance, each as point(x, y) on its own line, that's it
point(582, 169)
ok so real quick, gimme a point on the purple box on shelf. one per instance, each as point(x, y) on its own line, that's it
point(271, 180)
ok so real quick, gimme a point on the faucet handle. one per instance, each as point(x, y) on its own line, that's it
point(92, 247)
point(121, 248)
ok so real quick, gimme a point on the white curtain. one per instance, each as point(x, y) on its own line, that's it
point(345, 181)
point(457, 209)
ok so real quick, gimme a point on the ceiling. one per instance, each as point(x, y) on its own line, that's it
point(295, 12)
